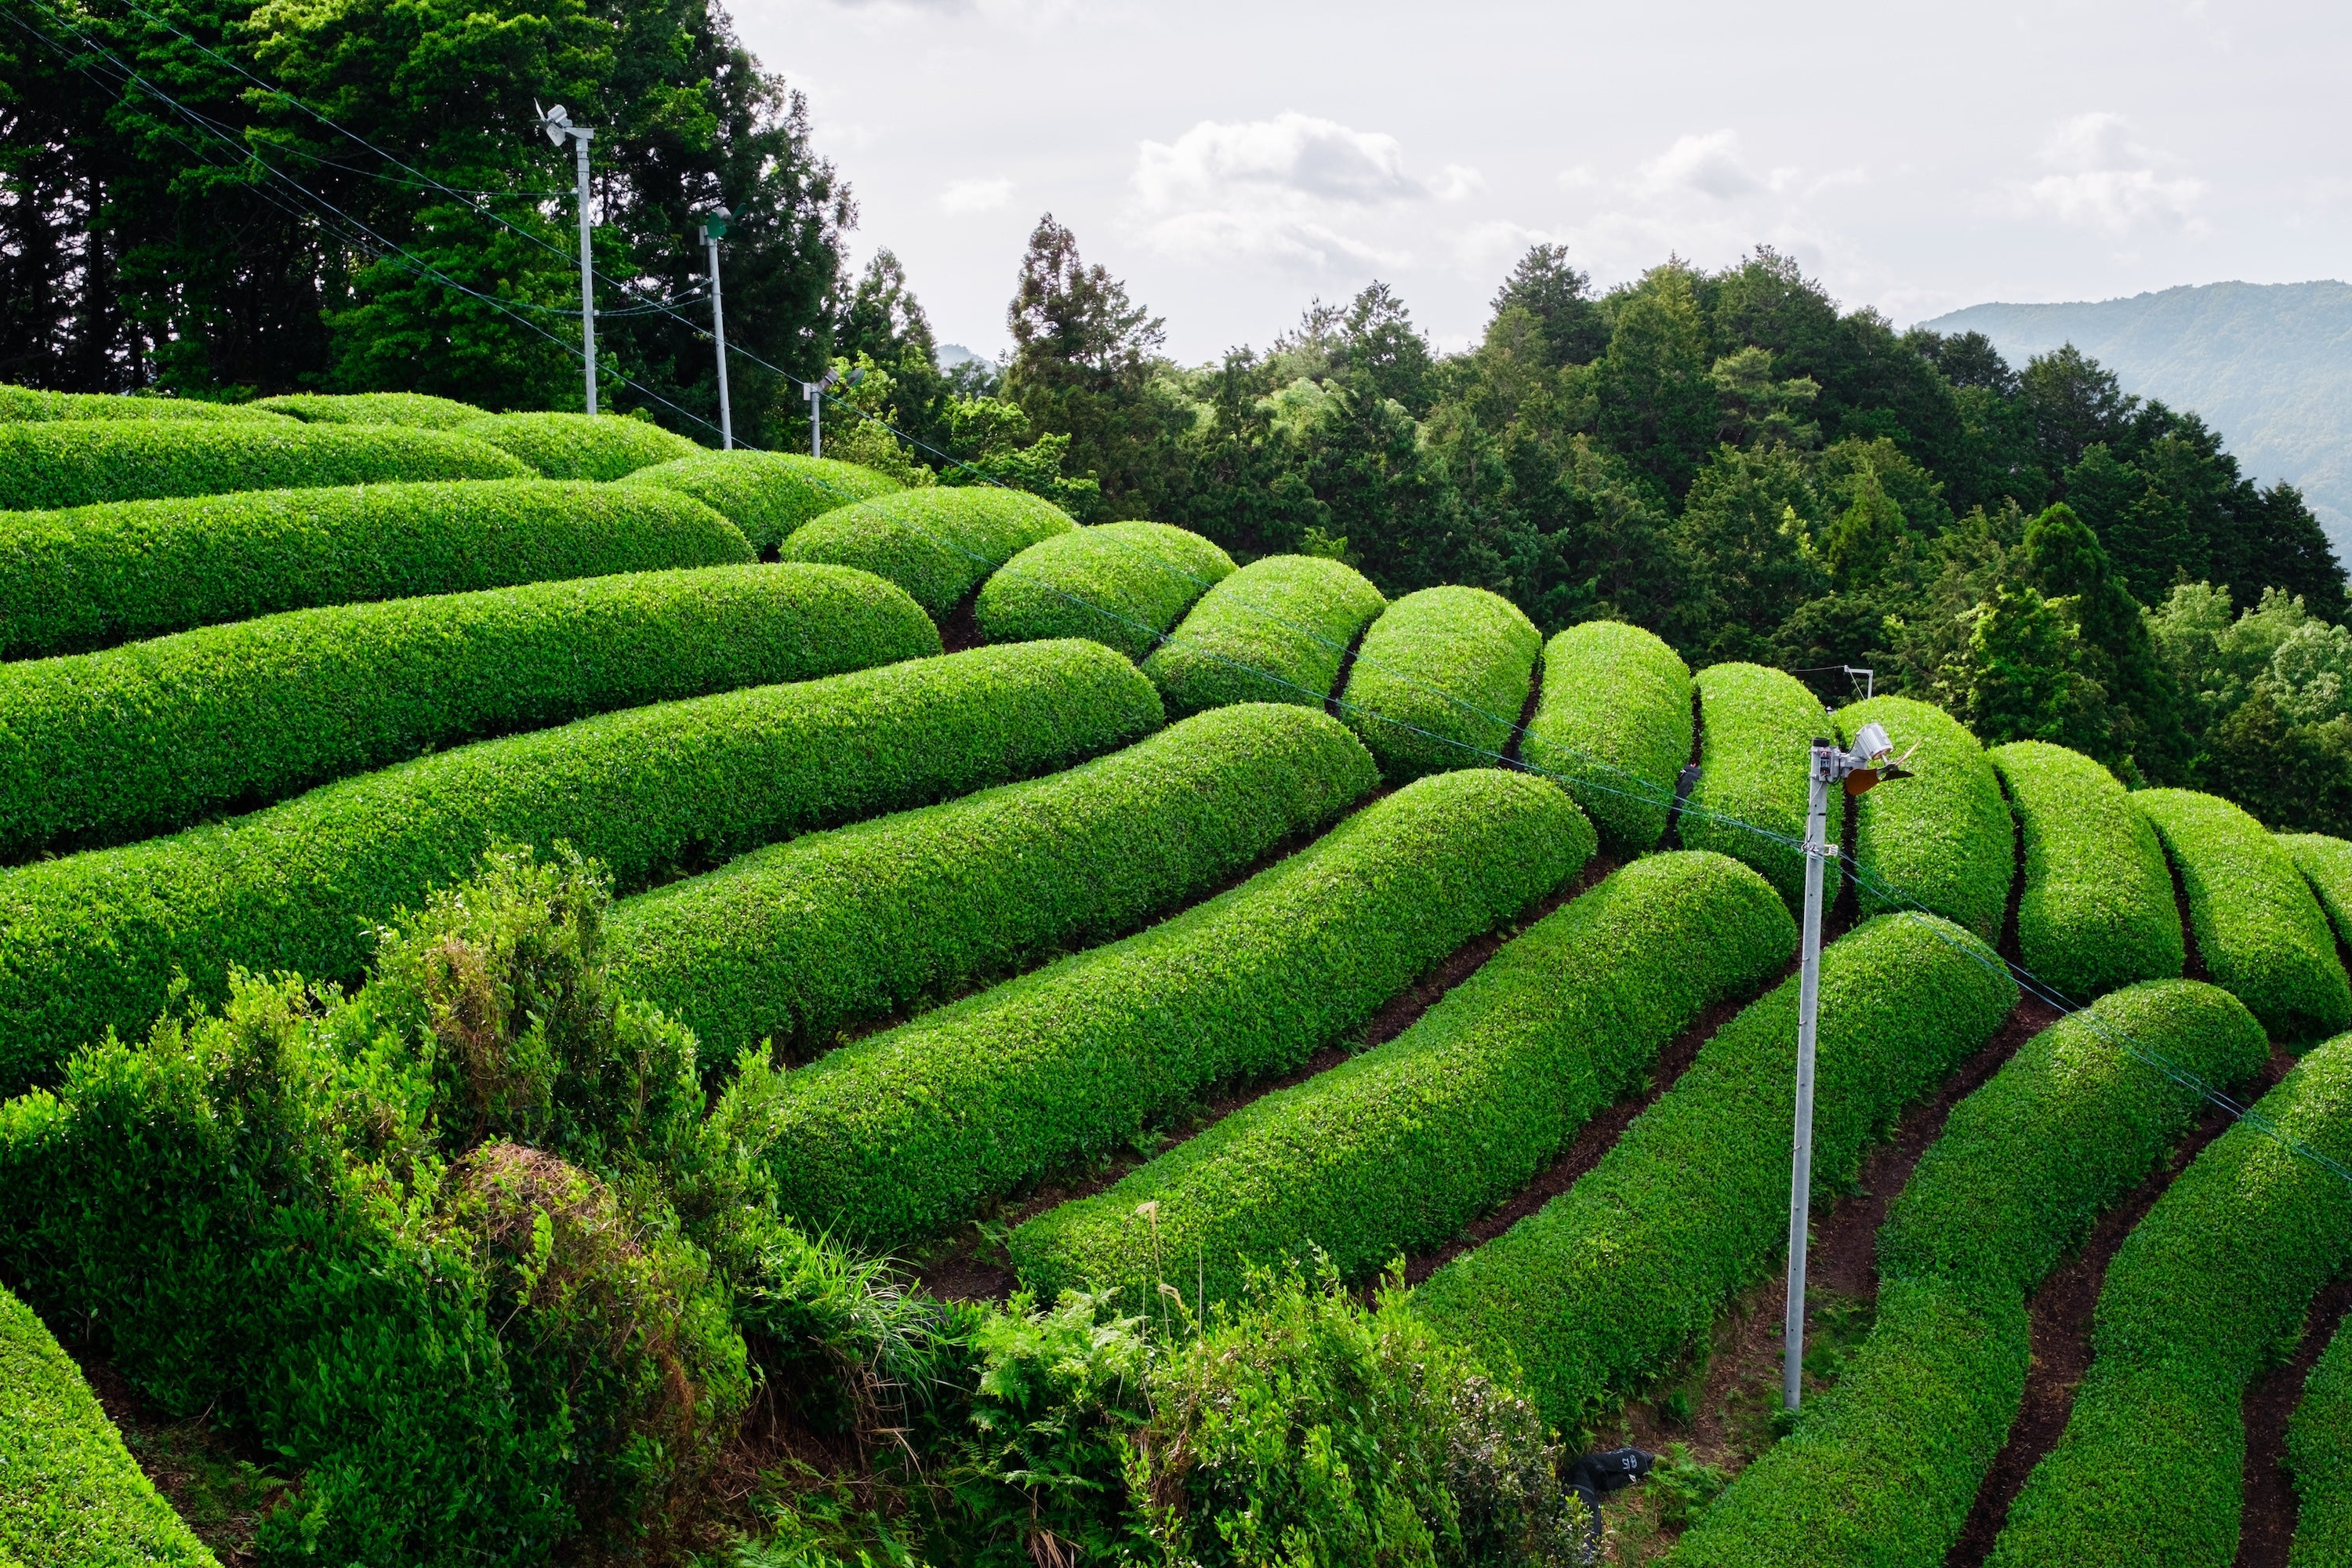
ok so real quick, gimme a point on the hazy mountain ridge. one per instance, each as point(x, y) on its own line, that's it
point(2267, 364)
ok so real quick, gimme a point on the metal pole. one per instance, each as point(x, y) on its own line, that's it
point(719, 330)
point(809, 389)
point(1809, 997)
point(580, 138)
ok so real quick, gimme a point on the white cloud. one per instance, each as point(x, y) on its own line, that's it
point(2101, 178)
point(976, 195)
point(1709, 165)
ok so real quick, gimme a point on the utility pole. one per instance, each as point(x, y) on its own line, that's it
point(714, 229)
point(814, 392)
point(1858, 769)
point(558, 125)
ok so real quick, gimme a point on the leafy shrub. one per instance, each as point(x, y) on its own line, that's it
point(1394, 1151)
point(1122, 583)
point(1614, 724)
point(795, 940)
point(2259, 930)
point(766, 494)
point(2326, 864)
point(1756, 728)
point(106, 747)
point(23, 403)
point(902, 1133)
point(70, 1494)
point(2319, 1452)
point(1440, 681)
point(1885, 1467)
point(938, 544)
point(94, 940)
point(579, 445)
point(420, 409)
point(1289, 616)
point(82, 463)
point(2097, 910)
point(2206, 1291)
point(1607, 1284)
point(1941, 839)
point(87, 577)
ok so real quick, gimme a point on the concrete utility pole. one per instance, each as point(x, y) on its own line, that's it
point(1858, 769)
point(814, 392)
point(558, 125)
point(714, 229)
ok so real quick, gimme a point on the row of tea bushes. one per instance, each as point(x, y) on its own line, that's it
point(1440, 681)
point(418, 408)
point(579, 445)
point(2097, 910)
point(1125, 584)
point(83, 462)
point(768, 495)
point(1615, 725)
point(1757, 727)
point(1278, 630)
point(26, 404)
point(939, 544)
point(2319, 1451)
point(1941, 839)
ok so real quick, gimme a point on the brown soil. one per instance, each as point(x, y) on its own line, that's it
point(960, 627)
point(2267, 1529)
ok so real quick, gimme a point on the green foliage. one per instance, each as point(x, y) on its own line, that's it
point(1614, 724)
point(938, 544)
point(108, 747)
point(2259, 932)
point(766, 494)
point(2206, 1292)
point(70, 1494)
point(1304, 1429)
point(2319, 1452)
point(578, 447)
point(901, 1134)
point(94, 941)
point(1942, 838)
point(1440, 681)
point(1122, 583)
point(2326, 864)
point(416, 409)
point(88, 577)
point(1756, 728)
point(1289, 616)
point(1393, 1152)
point(82, 462)
point(2097, 911)
point(799, 940)
point(23, 404)
point(1608, 1284)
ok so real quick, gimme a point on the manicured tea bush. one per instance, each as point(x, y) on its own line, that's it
point(1122, 583)
point(1941, 839)
point(2319, 1452)
point(417, 409)
point(901, 1134)
point(24, 403)
point(2097, 910)
point(1394, 1151)
point(937, 544)
point(103, 748)
point(1275, 631)
point(88, 577)
point(766, 494)
point(1614, 724)
point(2326, 864)
point(579, 445)
point(1756, 728)
point(91, 942)
point(83, 462)
point(2259, 930)
point(796, 941)
point(1885, 1468)
point(1608, 1283)
point(2206, 1292)
point(70, 1494)
point(1441, 680)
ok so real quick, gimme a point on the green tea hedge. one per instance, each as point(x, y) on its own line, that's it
point(1123, 584)
point(2319, 1452)
point(579, 445)
point(1440, 681)
point(1885, 1468)
point(795, 940)
point(2259, 930)
point(766, 494)
point(1756, 728)
point(27, 405)
point(2206, 1292)
point(420, 409)
point(938, 544)
point(91, 942)
point(1290, 617)
point(87, 577)
point(1614, 724)
point(82, 462)
point(1940, 839)
point(102, 748)
point(70, 1494)
point(1608, 1284)
point(904, 1133)
point(2326, 864)
point(2097, 910)
point(1394, 1151)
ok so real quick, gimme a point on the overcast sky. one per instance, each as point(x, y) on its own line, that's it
point(1231, 160)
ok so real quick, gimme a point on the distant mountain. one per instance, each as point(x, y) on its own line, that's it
point(954, 355)
point(2269, 365)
